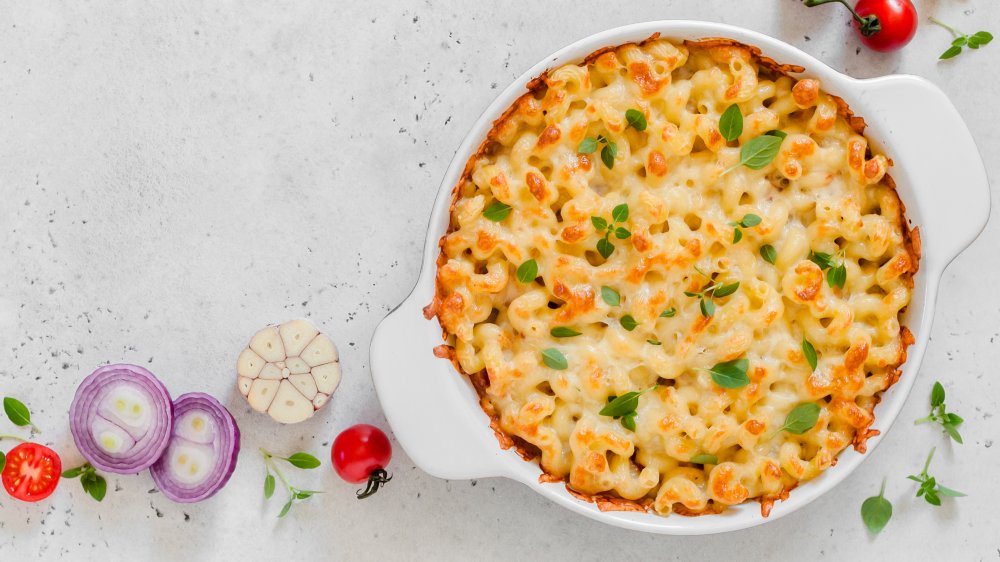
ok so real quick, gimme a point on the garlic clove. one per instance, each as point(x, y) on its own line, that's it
point(262, 394)
point(327, 377)
point(320, 400)
point(267, 344)
point(305, 384)
point(289, 406)
point(297, 366)
point(319, 351)
point(270, 372)
point(296, 335)
point(243, 384)
point(249, 364)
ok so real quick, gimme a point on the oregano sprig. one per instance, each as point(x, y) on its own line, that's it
point(633, 118)
point(613, 227)
point(749, 220)
point(949, 421)
point(833, 264)
point(706, 297)
point(92, 482)
point(298, 460)
point(624, 407)
point(973, 41)
point(929, 488)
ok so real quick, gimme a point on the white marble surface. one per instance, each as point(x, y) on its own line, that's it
point(175, 175)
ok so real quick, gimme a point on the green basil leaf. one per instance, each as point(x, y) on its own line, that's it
point(876, 512)
point(769, 254)
point(982, 37)
point(750, 220)
point(628, 322)
point(610, 296)
point(599, 224)
point(737, 235)
point(97, 487)
point(951, 52)
point(949, 492)
point(268, 486)
point(731, 374)
point(758, 152)
point(777, 133)
point(810, 352)
point(731, 123)
point(303, 460)
point(285, 508)
point(497, 211)
point(622, 405)
point(725, 290)
point(669, 313)
point(824, 261)
point(801, 419)
point(563, 332)
point(707, 307)
point(608, 154)
point(74, 472)
point(622, 233)
point(635, 119)
point(16, 411)
point(653, 342)
point(605, 248)
point(554, 359)
point(527, 271)
point(629, 421)
point(937, 395)
point(620, 212)
point(587, 146)
point(705, 458)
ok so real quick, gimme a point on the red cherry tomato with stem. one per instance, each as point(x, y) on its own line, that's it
point(32, 472)
point(360, 453)
point(882, 25)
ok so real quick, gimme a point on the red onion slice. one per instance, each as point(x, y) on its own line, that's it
point(204, 444)
point(121, 418)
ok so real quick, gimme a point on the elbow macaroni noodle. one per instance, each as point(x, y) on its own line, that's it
point(825, 191)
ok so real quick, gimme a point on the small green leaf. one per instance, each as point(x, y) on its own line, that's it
point(737, 235)
point(932, 498)
point(74, 472)
point(605, 248)
point(285, 508)
point(758, 152)
point(725, 290)
point(303, 494)
point(635, 119)
point(303, 460)
point(707, 307)
point(497, 211)
point(3, 461)
point(610, 296)
point(876, 512)
point(951, 431)
point(16, 411)
point(629, 421)
point(587, 146)
point(97, 486)
point(944, 491)
point(608, 154)
point(599, 224)
point(953, 419)
point(268, 486)
point(705, 458)
point(777, 133)
point(623, 405)
point(622, 233)
point(810, 352)
point(731, 123)
point(563, 332)
point(951, 52)
point(769, 254)
point(824, 261)
point(628, 322)
point(620, 212)
point(750, 220)
point(527, 271)
point(554, 359)
point(937, 395)
point(837, 276)
point(669, 313)
point(653, 342)
point(801, 419)
point(731, 374)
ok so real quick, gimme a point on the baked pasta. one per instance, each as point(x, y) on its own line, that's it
point(667, 316)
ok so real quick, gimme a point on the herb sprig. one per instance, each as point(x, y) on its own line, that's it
point(624, 407)
point(949, 421)
point(497, 211)
point(876, 511)
point(731, 374)
point(554, 359)
point(749, 220)
point(18, 413)
point(92, 482)
point(706, 297)
point(769, 254)
point(618, 216)
point(929, 488)
point(633, 118)
point(731, 123)
point(298, 460)
point(833, 264)
point(973, 41)
point(801, 419)
point(759, 151)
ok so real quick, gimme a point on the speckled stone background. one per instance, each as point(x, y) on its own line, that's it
point(175, 175)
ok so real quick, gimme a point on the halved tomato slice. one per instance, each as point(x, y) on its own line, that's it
point(32, 472)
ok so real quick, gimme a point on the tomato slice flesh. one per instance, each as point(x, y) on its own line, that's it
point(32, 472)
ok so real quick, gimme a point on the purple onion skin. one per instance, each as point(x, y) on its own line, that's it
point(84, 409)
point(230, 439)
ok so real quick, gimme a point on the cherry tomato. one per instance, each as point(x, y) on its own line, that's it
point(897, 20)
point(360, 453)
point(32, 472)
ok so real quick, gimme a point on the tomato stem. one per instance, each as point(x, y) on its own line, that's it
point(869, 25)
point(377, 478)
point(14, 437)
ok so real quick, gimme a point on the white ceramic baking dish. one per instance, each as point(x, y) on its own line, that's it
point(434, 411)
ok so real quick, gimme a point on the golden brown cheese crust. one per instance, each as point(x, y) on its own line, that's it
point(616, 478)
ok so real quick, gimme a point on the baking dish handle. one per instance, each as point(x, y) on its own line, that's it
point(434, 412)
point(939, 165)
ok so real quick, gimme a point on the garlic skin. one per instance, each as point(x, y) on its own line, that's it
point(288, 371)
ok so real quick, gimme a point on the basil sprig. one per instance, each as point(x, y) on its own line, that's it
point(833, 264)
point(618, 216)
point(624, 407)
point(749, 220)
point(731, 374)
point(706, 297)
point(801, 419)
point(18, 413)
point(633, 118)
point(527, 271)
point(758, 152)
point(93, 483)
